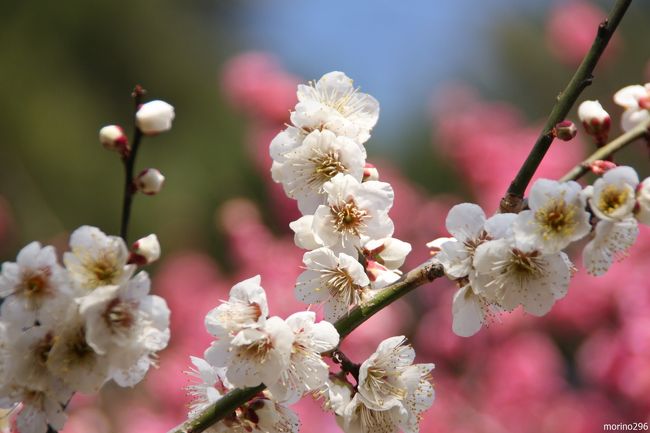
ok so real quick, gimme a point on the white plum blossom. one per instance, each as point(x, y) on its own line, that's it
point(24, 361)
point(73, 360)
point(320, 157)
point(261, 414)
point(334, 103)
point(35, 287)
point(511, 274)
point(127, 323)
point(154, 117)
point(392, 392)
point(338, 282)
point(613, 195)
point(335, 394)
point(246, 308)
point(465, 222)
point(306, 371)
point(611, 240)
point(304, 236)
point(470, 311)
point(96, 259)
point(283, 143)
point(254, 355)
point(557, 216)
point(210, 385)
point(354, 211)
point(383, 258)
point(636, 101)
point(39, 407)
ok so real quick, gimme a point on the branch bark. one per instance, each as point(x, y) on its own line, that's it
point(582, 78)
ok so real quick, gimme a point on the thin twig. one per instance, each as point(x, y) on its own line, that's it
point(582, 78)
point(607, 150)
point(419, 276)
point(129, 165)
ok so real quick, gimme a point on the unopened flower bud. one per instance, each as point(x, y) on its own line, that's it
point(565, 130)
point(149, 181)
point(599, 167)
point(112, 137)
point(145, 250)
point(154, 117)
point(595, 119)
point(370, 172)
point(642, 209)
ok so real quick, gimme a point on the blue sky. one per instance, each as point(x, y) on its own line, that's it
point(397, 51)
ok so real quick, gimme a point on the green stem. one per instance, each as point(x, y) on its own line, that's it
point(607, 150)
point(582, 78)
point(419, 276)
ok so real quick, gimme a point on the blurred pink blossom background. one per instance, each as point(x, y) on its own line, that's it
point(585, 364)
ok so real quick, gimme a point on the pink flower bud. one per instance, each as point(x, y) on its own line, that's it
point(374, 270)
point(599, 167)
point(370, 172)
point(565, 130)
point(154, 117)
point(149, 181)
point(595, 119)
point(112, 137)
point(145, 250)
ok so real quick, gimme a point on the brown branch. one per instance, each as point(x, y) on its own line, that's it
point(512, 201)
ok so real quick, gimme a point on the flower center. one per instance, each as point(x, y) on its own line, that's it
point(348, 218)
point(524, 265)
point(378, 381)
point(472, 244)
point(119, 316)
point(326, 165)
point(612, 198)
point(341, 285)
point(258, 349)
point(557, 218)
point(105, 271)
point(35, 284)
point(374, 420)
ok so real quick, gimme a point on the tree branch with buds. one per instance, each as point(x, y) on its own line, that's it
point(129, 164)
point(639, 131)
point(513, 199)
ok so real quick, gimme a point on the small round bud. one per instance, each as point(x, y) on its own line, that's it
point(112, 137)
point(145, 250)
point(600, 166)
point(149, 181)
point(595, 119)
point(370, 172)
point(154, 117)
point(642, 209)
point(565, 130)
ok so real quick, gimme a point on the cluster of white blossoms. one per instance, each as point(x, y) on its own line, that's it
point(390, 395)
point(74, 327)
point(510, 260)
point(321, 162)
point(252, 348)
